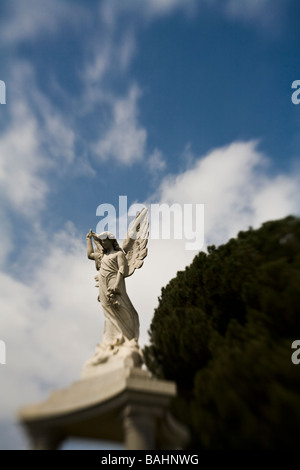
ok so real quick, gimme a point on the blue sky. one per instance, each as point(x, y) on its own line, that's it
point(165, 101)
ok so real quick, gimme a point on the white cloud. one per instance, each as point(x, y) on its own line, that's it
point(146, 10)
point(237, 192)
point(122, 137)
point(49, 319)
point(126, 49)
point(36, 140)
point(108, 55)
point(31, 19)
point(248, 9)
point(156, 161)
point(125, 140)
point(55, 133)
point(98, 66)
point(165, 7)
point(277, 197)
point(267, 14)
point(21, 163)
point(6, 231)
point(53, 130)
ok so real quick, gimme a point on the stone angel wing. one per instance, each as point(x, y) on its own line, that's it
point(135, 243)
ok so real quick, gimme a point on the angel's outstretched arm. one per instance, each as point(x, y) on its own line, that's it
point(90, 249)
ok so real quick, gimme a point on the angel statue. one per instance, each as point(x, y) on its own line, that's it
point(121, 327)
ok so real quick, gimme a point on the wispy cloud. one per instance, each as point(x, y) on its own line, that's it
point(125, 139)
point(146, 10)
point(252, 9)
point(262, 13)
point(156, 161)
point(21, 163)
point(36, 140)
point(25, 21)
point(266, 14)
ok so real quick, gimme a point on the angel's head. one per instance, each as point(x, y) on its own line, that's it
point(108, 241)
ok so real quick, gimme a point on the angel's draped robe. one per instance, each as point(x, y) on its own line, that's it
point(121, 321)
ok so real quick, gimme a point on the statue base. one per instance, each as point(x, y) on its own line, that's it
point(125, 405)
point(108, 358)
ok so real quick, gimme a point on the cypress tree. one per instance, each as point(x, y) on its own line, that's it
point(223, 330)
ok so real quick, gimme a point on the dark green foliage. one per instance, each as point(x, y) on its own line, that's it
point(223, 331)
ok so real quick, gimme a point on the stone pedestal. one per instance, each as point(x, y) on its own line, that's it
point(125, 405)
